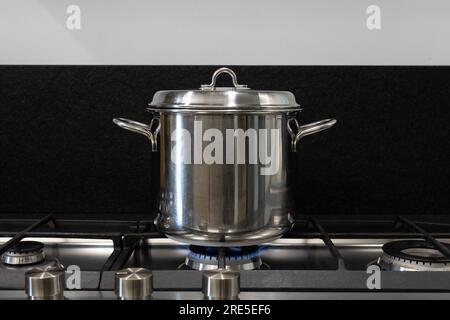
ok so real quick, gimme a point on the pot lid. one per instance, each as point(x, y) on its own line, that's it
point(211, 99)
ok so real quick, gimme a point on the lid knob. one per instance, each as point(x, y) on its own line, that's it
point(221, 285)
point(134, 284)
point(45, 283)
point(218, 72)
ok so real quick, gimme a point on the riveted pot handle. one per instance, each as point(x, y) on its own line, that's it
point(149, 130)
point(297, 132)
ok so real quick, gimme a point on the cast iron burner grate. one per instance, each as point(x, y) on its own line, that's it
point(236, 258)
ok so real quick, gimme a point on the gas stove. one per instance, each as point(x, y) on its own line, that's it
point(321, 257)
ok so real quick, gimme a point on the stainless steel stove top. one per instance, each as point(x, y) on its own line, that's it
point(308, 263)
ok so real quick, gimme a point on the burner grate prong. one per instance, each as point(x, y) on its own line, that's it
point(330, 245)
point(221, 258)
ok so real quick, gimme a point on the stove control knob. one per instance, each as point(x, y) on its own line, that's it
point(46, 283)
point(134, 284)
point(221, 285)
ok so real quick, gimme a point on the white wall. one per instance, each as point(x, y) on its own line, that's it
point(225, 32)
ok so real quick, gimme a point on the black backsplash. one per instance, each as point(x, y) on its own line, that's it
point(60, 151)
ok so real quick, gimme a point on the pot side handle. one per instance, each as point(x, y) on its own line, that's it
point(297, 132)
point(149, 130)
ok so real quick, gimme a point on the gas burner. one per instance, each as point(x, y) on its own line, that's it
point(237, 258)
point(24, 253)
point(413, 255)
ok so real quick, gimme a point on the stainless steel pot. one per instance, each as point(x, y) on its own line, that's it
point(224, 161)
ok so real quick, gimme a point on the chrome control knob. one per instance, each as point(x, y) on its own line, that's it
point(221, 285)
point(134, 284)
point(45, 283)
